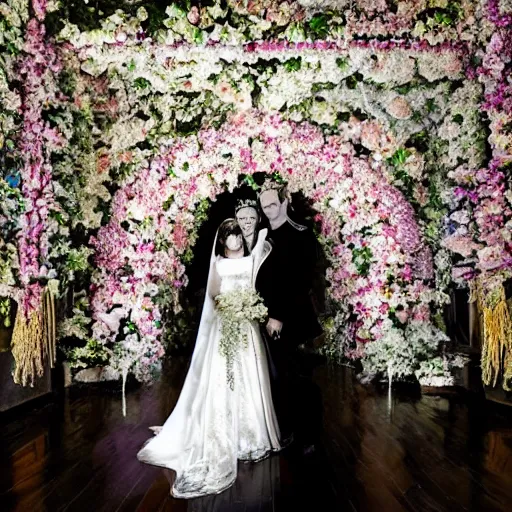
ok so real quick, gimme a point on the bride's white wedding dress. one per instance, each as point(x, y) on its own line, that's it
point(212, 425)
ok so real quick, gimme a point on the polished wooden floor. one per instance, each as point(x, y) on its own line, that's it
point(375, 453)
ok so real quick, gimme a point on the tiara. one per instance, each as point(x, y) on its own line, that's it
point(246, 203)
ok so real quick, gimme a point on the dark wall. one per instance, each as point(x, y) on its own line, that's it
point(12, 394)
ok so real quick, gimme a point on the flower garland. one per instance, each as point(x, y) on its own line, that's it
point(373, 219)
point(483, 224)
point(38, 65)
point(238, 22)
point(162, 66)
point(12, 16)
point(385, 117)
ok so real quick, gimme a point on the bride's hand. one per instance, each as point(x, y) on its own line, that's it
point(262, 234)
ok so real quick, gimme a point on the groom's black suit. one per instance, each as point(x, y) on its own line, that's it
point(285, 279)
point(284, 282)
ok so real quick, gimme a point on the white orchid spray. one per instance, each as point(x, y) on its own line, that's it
point(237, 309)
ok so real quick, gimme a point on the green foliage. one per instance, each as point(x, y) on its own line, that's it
point(5, 312)
point(450, 15)
point(293, 64)
point(319, 25)
point(141, 83)
point(167, 203)
point(458, 118)
point(12, 205)
point(343, 63)
point(353, 80)
point(91, 355)
point(156, 17)
point(202, 210)
point(431, 105)
point(400, 157)
point(67, 82)
point(447, 16)
point(184, 128)
point(397, 161)
point(249, 180)
point(322, 86)
point(362, 258)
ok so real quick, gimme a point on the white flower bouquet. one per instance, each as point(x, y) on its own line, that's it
point(237, 309)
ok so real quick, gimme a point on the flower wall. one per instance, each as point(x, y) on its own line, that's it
point(127, 124)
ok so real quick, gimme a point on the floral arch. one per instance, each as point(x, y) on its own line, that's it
point(108, 152)
point(381, 271)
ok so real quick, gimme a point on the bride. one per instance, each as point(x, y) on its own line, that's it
point(216, 423)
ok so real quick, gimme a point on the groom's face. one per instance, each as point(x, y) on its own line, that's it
point(247, 219)
point(271, 205)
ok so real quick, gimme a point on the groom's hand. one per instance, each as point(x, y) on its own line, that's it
point(274, 328)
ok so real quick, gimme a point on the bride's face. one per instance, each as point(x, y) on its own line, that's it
point(234, 242)
point(247, 218)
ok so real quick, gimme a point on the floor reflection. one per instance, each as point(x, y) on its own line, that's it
point(499, 452)
point(450, 454)
point(256, 488)
point(26, 468)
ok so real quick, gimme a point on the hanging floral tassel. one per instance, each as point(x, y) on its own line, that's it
point(34, 339)
point(28, 347)
point(50, 326)
point(497, 337)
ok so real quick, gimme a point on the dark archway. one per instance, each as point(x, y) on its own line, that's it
point(223, 207)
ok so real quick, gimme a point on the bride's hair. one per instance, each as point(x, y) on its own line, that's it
point(228, 227)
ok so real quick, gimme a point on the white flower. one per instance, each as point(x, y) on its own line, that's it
point(142, 14)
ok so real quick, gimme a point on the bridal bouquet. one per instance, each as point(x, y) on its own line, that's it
point(236, 309)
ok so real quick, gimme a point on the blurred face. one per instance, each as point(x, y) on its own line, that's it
point(234, 242)
point(271, 206)
point(247, 218)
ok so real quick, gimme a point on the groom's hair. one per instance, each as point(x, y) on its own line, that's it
point(228, 227)
point(280, 188)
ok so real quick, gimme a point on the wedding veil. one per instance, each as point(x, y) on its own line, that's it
point(184, 413)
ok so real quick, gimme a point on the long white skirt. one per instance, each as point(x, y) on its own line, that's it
point(214, 426)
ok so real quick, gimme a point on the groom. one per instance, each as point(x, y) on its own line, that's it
point(284, 281)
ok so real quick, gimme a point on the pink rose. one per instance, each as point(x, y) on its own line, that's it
point(194, 16)
point(402, 316)
point(399, 108)
point(370, 136)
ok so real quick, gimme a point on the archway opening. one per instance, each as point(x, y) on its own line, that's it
point(301, 210)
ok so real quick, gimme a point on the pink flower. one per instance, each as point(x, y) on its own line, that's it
point(370, 135)
point(373, 228)
point(180, 237)
point(421, 313)
point(402, 316)
point(102, 163)
point(194, 16)
point(399, 108)
point(40, 7)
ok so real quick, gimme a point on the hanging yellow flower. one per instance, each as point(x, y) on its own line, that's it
point(33, 340)
point(496, 336)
